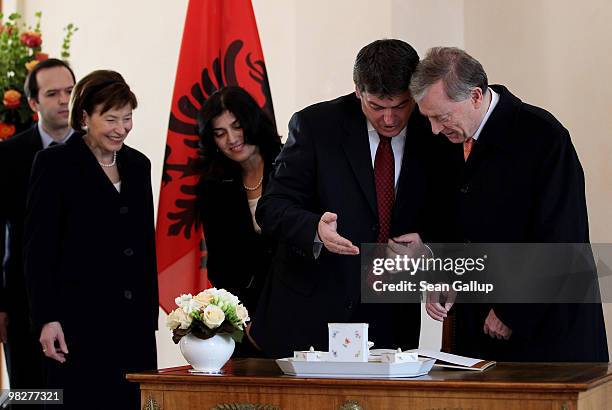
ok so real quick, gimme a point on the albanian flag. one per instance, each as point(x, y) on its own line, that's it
point(220, 47)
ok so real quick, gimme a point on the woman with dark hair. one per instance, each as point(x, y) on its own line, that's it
point(239, 143)
point(89, 251)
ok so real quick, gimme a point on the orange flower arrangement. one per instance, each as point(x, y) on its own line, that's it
point(31, 39)
point(6, 130)
point(31, 64)
point(20, 51)
point(12, 99)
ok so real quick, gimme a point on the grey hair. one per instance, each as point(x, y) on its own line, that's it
point(459, 72)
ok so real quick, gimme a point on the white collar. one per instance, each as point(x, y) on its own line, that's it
point(492, 104)
point(47, 139)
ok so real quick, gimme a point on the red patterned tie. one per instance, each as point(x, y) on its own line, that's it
point(384, 176)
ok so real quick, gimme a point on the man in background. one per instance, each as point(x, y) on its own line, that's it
point(47, 87)
point(516, 178)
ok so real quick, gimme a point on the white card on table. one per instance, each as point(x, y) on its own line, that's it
point(348, 342)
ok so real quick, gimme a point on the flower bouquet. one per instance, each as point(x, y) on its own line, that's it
point(210, 312)
point(206, 327)
point(20, 51)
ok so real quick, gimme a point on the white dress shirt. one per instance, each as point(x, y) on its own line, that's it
point(47, 139)
point(494, 101)
point(397, 145)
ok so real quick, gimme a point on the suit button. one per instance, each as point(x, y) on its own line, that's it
point(374, 227)
point(127, 294)
point(128, 252)
point(465, 189)
point(123, 210)
point(349, 305)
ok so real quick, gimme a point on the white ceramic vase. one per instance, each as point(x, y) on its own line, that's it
point(207, 356)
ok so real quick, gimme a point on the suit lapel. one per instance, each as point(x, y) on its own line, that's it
point(126, 172)
point(34, 141)
point(413, 180)
point(92, 172)
point(356, 146)
point(496, 134)
point(411, 157)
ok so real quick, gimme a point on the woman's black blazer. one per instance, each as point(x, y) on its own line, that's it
point(89, 250)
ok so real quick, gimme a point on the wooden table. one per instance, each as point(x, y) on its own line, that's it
point(259, 384)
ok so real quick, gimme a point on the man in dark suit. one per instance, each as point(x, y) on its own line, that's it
point(48, 88)
point(518, 180)
point(352, 172)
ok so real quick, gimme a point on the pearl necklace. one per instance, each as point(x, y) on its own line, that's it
point(112, 164)
point(253, 188)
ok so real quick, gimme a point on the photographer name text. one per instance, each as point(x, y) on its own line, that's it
point(424, 286)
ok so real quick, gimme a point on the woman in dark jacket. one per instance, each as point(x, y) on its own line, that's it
point(90, 253)
point(239, 144)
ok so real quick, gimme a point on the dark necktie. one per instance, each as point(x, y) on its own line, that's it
point(384, 177)
point(53, 144)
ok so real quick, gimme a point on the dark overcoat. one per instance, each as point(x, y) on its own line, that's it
point(523, 183)
point(90, 264)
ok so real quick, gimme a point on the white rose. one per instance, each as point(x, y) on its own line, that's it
point(172, 320)
point(242, 314)
point(185, 319)
point(213, 316)
point(178, 318)
point(205, 297)
point(227, 297)
point(183, 300)
point(192, 306)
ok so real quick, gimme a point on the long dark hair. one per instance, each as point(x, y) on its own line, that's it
point(258, 129)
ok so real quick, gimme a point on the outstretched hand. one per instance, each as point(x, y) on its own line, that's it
point(332, 241)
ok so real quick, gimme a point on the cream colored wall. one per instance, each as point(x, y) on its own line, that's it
point(309, 49)
point(425, 23)
point(556, 54)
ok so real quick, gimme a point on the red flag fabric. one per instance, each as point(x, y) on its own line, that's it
point(220, 47)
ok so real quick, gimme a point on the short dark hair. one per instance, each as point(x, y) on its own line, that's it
point(459, 72)
point(258, 129)
point(101, 87)
point(384, 67)
point(31, 83)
